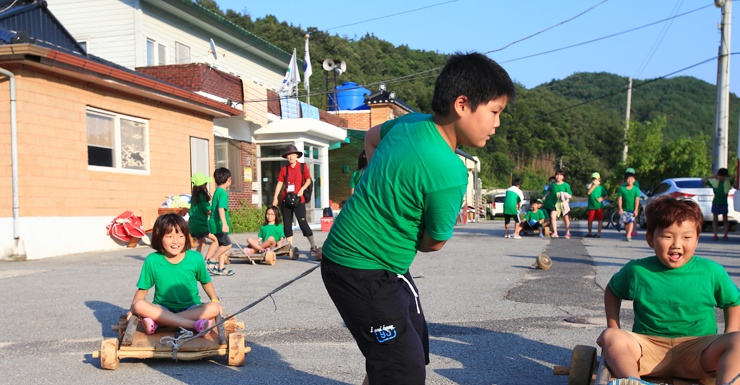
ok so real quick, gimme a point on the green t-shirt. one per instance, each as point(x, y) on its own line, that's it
point(554, 189)
point(198, 222)
point(675, 302)
point(175, 286)
point(414, 182)
point(628, 197)
point(593, 204)
point(721, 189)
point(513, 196)
point(275, 231)
point(636, 184)
point(537, 216)
point(220, 200)
point(356, 178)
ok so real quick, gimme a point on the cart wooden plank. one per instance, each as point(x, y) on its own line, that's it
point(145, 342)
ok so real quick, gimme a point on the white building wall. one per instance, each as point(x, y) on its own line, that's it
point(107, 26)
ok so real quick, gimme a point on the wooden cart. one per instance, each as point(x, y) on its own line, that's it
point(588, 369)
point(268, 257)
point(133, 342)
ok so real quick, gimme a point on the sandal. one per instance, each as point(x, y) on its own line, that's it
point(149, 325)
point(597, 236)
point(203, 324)
point(567, 235)
point(223, 271)
point(725, 239)
point(314, 251)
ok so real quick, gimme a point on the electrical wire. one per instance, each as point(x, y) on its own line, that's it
point(658, 42)
point(8, 7)
point(395, 14)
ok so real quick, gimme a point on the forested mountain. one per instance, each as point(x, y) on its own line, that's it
point(678, 111)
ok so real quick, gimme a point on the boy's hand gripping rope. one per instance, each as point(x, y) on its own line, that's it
point(175, 342)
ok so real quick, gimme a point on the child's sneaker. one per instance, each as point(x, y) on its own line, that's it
point(507, 236)
point(725, 239)
point(542, 235)
point(149, 325)
point(516, 236)
point(630, 381)
point(715, 238)
point(203, 324)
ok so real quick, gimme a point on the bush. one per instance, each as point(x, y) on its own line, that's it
point(247, 218)
point(577, 213)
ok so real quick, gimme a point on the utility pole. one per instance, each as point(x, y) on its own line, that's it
point(627, 120)
point(722, 107)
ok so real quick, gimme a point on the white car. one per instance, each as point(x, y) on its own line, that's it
point(497, 206)
point(695, 189)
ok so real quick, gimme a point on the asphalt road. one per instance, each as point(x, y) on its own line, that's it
point(492, 319)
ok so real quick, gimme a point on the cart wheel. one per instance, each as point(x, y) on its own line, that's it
point(109, 354)
point(294, 253)
point(582, 365)
point(270, 257)
point(319, 254)
point(236, 349)
point(544, 261)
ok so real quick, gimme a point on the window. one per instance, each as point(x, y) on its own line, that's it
point(117, 142)
point(228, 154)
point(150, 54)
point(161, 54)
point(83, 44)
point(182, 52)
point(692, 183)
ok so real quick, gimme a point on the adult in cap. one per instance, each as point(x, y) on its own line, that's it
point(296, 178)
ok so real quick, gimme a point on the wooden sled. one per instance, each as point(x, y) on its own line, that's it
point(133, 342)
point(268, 257)
point(588, 369)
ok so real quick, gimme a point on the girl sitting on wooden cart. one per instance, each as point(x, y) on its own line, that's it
point(174, 271)
point(271, 233)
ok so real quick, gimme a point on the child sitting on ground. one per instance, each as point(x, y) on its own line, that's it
point(535, 219)
point(200, 209)
point(512, 203)
point(674, 294)
point(720, 206)
point(596, 195)
point(173, 270)
point(271, 233)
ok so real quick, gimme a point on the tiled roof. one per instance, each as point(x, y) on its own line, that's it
point(385, 97)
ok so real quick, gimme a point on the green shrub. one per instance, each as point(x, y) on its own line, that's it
point(577, 213)
point(247, 218)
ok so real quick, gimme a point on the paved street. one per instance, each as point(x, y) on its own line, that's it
point(492, 319)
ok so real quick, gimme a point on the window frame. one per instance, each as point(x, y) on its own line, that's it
point(177, 52)
point(154, 52)
point(237, 184)
point(161, 58)
point(117, 168)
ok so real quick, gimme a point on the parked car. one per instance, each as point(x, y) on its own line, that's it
point(695, 189)
point(497, 207)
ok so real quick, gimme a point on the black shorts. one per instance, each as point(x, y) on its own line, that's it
point(223, 239)
point(199, 235)
point(527, 226)
point(385, 319)
point(507, 218)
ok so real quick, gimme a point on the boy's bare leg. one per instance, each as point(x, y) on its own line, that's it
point(221, 256)
point(517, 229)
point(723, 355)
point(622, 352)
point(599, 226)
point(212, 247)
point(566, 219)
point(715, 223)
point(506, 229)
point(201, 245)
point(726, 223)
point(589, 227)
point(629, 227)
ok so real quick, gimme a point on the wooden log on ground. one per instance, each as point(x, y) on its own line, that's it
point(128, 336)
point(560, 370)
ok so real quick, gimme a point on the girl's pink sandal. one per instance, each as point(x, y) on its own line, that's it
point(203, 324)
point(149, 325)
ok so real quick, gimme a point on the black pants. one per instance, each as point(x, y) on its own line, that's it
point(300, 213)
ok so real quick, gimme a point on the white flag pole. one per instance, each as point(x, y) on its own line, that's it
point(307, 72)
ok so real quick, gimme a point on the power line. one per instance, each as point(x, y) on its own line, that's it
point(658, 42)
point(395, 14)
point(612, 93)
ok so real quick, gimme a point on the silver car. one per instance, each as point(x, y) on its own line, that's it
point(695, 189)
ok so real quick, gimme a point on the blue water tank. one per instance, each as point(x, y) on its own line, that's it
point(349, 99)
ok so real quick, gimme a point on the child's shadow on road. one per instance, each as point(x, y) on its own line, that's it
point(107, 314)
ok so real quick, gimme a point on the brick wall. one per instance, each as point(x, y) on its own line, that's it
point(380, 113)
point(273, 104)
point(53, 161)
point(359, 120)
point(338, 179)
point(198, 77)
point(249, 161)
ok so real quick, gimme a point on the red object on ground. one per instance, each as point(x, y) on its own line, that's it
point(125, 227)
point(326, 223)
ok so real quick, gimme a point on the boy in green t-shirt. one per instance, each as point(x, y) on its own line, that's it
point(220, 224)
point(674, 294)
point(596, 195)
point(721, 183)
point(535, 218)
point(512, 203)
point(629, 203)
point(408, 200)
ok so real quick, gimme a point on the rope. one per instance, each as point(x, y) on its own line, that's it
point(176, 344)
point(184, 333)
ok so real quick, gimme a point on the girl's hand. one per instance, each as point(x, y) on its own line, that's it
point(129, 314)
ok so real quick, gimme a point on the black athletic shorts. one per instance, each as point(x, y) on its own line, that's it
point(223, 239)
point(385, 318)
point(507, 218)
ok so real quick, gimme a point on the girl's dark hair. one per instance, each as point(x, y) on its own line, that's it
point(199, 191)
point(560, 172)
point(362, 161)
point(473, 75)
point(277, 215)
point(165, 224)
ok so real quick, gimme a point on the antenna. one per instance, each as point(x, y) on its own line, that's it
point(213, 50)
point(213, 53)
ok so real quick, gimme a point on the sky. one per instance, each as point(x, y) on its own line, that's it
point(485, 25)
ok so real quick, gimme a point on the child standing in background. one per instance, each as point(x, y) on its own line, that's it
point(629, 204)
point(720, 205)
point(596, 195)
point(361, 165)
point(512, 203)
point(200, 209)
point(220, 223)
point(551, 198)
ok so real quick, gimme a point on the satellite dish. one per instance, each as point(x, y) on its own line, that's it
point(213, 50)
point(328, 65)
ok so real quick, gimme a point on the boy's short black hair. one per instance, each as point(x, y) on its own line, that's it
point(533, 201)
point(164, 225)
point(560, 172)
point(667, 210)
point(221, 175)
point(552, 178)
point(473, 75)
point(628, 174)
point(722, 172)
point(516, 182)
